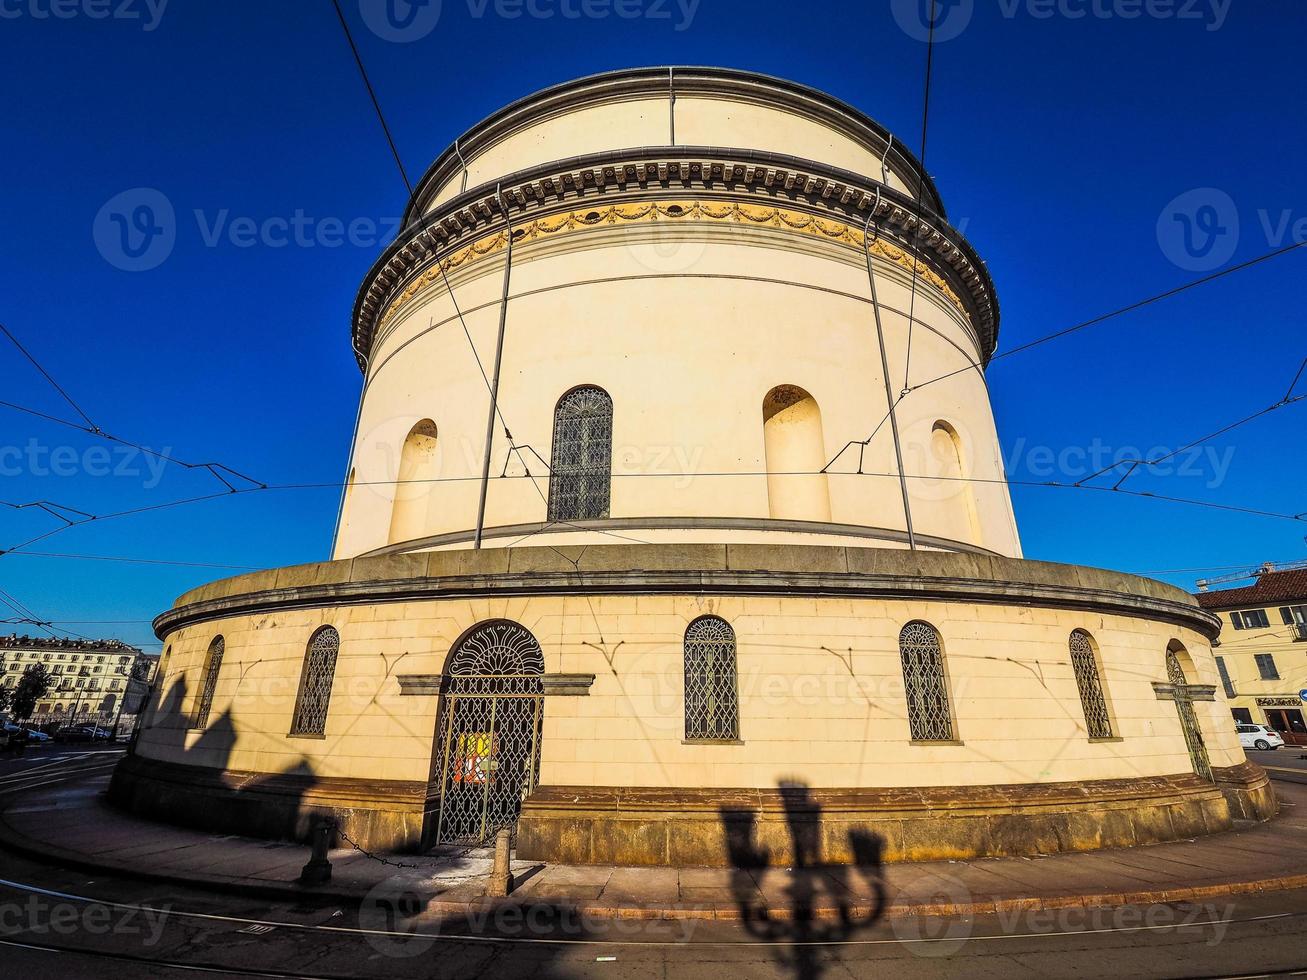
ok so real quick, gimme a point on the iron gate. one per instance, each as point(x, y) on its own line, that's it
point(491, 713)
point(1193, 735)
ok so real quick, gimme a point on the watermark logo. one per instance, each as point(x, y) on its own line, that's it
point(38, 917)
point(147, 13)
point(404, 21)
point(943, 924)
point(136, 230)
point(400, 21)
point(951, 17)
point(1199, 230)
point(35, 458)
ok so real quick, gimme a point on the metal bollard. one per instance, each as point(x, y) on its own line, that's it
point(318, 870)
point(501, 881)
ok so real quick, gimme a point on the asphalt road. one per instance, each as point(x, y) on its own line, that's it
point(57, 922)
point(1288, 763)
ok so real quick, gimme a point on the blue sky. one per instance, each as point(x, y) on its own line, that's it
point(1060, 143)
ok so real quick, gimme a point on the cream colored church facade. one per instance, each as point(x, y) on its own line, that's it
point(634, 553)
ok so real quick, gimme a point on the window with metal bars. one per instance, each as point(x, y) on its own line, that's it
point(209, 681)
point(711, 707)
point(581, 460)
point(1085, 664)
point(925, 684)
point(316, 675)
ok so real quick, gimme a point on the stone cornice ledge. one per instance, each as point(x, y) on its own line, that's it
point(772, 570)
point(648, 173)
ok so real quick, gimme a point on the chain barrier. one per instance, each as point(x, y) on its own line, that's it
point(368, 854)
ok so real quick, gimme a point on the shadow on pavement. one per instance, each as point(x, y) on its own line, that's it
point(820, 902)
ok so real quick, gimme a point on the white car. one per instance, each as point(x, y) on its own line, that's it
point(1259, 737)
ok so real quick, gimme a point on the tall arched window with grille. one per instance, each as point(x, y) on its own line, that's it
point(1098, 721)
point(209, 681)
point(712, 712)
point(581, 460)
point(925, 684)
point(316, 675)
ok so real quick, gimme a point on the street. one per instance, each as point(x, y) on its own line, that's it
point(61, 922)
point(1288, 763)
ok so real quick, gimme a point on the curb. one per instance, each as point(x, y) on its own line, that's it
point(12, 840)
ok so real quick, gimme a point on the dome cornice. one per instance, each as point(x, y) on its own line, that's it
point(804, 190)
point(684, 81)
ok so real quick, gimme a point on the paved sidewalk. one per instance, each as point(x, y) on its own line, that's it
point(72, 824)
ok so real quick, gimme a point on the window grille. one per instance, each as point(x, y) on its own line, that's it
point(315, 683)
point(1193, 735)
point(582, 456)
point(1097, 721)
point(923, 676)
point(212, 664)
point(711, 706)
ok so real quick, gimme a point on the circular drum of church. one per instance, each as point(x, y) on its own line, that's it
point(675, 524)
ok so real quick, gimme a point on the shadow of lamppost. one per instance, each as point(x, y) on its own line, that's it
point(801, 923)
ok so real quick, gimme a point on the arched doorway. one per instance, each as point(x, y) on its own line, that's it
point(1184, 705)
point(488, 745)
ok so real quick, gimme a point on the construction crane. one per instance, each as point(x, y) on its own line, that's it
point(1263, 569)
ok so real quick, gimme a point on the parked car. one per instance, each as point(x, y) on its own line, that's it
point(75, 733)
point(36, 735)
point(18, 735)
point(1259, 737)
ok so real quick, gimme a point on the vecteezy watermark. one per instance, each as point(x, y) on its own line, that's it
point(1200, 229)
point(397, 923)
point(138, 229)
point(147, 13)
point(401, 21)
point(1069, 463)
point(952, 17)
point(1213, 919)
point(405, 21)
point(35, 458)
point(39, 917)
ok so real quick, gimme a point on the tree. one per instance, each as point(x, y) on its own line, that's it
point(32, 687)
point(6, 696)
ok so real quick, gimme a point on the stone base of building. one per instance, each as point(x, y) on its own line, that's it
point(378, 815)
point(699, 827)
point(1248, 790)
point(750, 828)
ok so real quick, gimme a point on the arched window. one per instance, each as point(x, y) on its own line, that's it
point(925, 684)
point(419, 465)
point(316, 675)
point(796, 452)
point(712, 710)
point(961, 520)
point(1097, 720)
point(581, 460)
point(208, 682)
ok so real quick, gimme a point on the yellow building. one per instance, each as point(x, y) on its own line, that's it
point(92, 681)
point(1262, 659)
point(675, 497)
